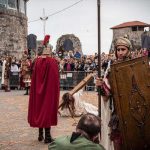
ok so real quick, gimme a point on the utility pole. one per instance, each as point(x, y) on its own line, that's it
point(44, 19)
point(99, 54)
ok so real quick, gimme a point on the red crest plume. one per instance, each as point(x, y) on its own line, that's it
point(46, 39)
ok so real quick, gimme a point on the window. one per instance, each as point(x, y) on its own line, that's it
point(141, 28)
point(134, 28)
point(2, 3)
point(12, 4)
point(22, 6)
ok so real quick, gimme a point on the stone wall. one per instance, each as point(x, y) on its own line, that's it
point(13, 32)
point(134, 37)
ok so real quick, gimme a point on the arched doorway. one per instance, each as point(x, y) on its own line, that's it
point(69, 42)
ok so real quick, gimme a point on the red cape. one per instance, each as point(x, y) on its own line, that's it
point(44, 93)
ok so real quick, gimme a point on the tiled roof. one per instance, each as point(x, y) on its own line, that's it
point(131, 24)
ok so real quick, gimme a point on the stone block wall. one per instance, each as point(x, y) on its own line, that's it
point(13, 32)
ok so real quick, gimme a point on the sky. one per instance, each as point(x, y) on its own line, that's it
point(81, 19)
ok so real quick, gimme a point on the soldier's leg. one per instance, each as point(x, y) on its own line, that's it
point(40, 138)
point(27, 89)
point(48, 138)
point(7, 89)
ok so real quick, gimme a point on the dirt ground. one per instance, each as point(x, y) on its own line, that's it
point(15, 132)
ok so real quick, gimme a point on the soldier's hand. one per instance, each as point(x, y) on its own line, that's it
point(99, 82)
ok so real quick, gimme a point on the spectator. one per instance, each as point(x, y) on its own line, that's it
point(69, 65)
point(14, 67)
point(77, 55)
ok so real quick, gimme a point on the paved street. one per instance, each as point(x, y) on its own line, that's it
point(15, 132)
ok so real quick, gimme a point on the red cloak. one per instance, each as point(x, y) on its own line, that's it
point(44, 93)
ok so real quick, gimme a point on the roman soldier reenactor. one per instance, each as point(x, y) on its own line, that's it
point(26, 71)
point(44, 93)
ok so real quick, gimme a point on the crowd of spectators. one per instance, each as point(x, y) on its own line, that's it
point(75, 62)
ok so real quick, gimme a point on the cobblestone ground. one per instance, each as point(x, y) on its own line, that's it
point(15, 132)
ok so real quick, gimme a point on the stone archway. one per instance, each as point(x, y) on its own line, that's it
point(69, 41)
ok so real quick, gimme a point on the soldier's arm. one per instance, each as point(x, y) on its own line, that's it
point(102, 88)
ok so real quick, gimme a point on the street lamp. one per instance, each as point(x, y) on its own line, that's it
point(99, 54)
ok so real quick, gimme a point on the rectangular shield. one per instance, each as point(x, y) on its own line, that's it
point(130, 82)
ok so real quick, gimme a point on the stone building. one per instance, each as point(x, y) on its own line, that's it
point(69, 42)
point(13, 27)
point(133, 30)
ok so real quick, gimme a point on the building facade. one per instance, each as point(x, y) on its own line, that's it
point(13, 27)
point(133, 30)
